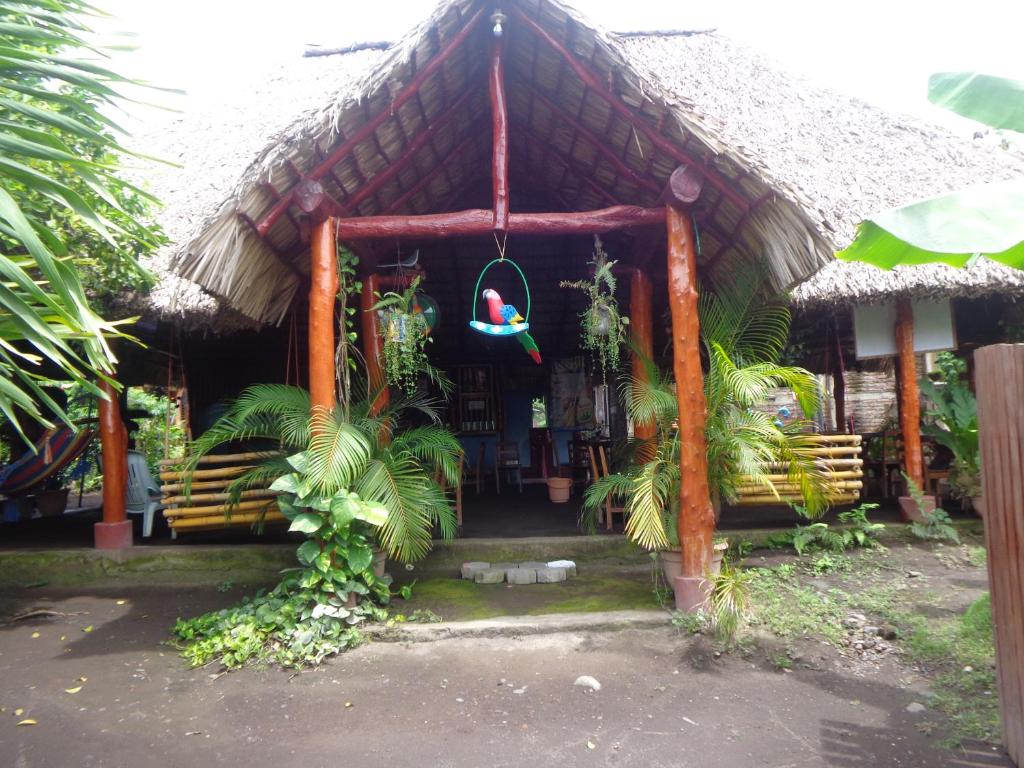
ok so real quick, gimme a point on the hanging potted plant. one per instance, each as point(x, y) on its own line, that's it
point(406, 335)
point(602, 326)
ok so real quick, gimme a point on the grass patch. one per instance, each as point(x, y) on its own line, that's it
point(601, 594)
point(958, 655)
point(954, 651)
point(452, 599)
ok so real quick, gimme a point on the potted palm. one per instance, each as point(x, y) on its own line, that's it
point(743, 338)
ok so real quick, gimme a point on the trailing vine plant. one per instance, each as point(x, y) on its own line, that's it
point(602, 326)
point(405, 337)
point(345, 362)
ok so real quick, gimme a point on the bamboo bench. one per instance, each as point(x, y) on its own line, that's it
point(838, 455)
point(205, 507)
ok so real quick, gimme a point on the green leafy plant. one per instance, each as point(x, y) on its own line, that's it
point(728, 600)
point(937, 525)
point(956, 228)
point(952, 421)
point(378, 456)
point(603, 327)
point(742, 336)
point(855, 531)
point(61, 201)
point(406, 336)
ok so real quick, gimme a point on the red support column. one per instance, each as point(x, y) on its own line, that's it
point(641, 322)
point(373, 344)
point(323, 291)
point(910, 398)
point(115, 532)
point(696, 523)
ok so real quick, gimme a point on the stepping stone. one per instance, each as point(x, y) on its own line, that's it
point(521, 575)
point(568, 565)
point(470, 570)
point(489, 576)
point(547, 575)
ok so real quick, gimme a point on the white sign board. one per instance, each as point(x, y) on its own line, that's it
point(874, 328)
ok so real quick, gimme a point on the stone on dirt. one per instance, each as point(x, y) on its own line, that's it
point(521, 576)
point(916, 707)
point(546, 575)
point(471, 569)
point(568, 565)
point(586, 681)
point(489, 576)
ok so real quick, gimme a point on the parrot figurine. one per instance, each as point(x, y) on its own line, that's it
point(505, 314)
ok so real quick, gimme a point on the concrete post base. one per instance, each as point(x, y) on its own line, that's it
point(691, 593)
point(113, 535)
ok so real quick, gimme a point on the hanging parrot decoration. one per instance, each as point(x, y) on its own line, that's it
point(505, 314)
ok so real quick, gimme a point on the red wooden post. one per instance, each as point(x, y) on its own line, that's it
point(115, 532)
point(910, 398)
point(373, 344)
point(999, 374)
point(696, 523)
point(499, 152)
point(641, 322)
point(323, 290)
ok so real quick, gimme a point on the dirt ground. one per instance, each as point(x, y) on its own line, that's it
point(104, 690)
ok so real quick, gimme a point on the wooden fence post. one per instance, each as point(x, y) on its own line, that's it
point(999, 376)
point(641, 323)
point(323, 291)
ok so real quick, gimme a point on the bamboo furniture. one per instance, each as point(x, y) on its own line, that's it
point(838, 455)
point(205, 506)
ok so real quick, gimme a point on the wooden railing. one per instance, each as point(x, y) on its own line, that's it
point(205, 506)
point(838, 455)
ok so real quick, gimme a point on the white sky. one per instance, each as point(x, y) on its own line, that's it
point(879, 50)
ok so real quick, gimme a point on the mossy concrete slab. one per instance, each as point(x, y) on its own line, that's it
point(154, 566)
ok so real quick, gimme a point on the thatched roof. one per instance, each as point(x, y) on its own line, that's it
point(804, 163)
point(842, 284)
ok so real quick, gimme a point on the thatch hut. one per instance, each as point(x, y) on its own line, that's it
point(580, 131)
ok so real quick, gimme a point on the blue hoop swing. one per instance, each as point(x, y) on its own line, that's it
point(490, 329)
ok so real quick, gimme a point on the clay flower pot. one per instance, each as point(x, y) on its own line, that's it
point(910, 512)
point(978, 504)
point(559, 489)
point(672, 561)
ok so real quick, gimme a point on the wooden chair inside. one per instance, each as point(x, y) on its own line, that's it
point(474, 473)
point(599, 469)
point(506, 459)
point(580, 467)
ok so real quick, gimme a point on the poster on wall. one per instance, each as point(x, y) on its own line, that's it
point(572, 402)
point(874, 328)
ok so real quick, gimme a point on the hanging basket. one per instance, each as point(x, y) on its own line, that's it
point(490, 329)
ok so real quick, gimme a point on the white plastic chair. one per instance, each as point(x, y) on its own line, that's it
point(142, 496)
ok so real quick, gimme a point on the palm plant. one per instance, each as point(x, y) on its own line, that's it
point(952, 421)
point(743, 338)
point(353, 449)
point(60, 198)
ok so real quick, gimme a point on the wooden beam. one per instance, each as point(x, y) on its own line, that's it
point(641, 324)
point(696, 524)
point(322, 292)
point(600, 146)
point(380, 179)
point(910, 397)
point(499, 147)
point(480, 222)
point(684, 186)
point(593, 82)
point(373, 344)
point(278, 209)
point(1000, 380)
